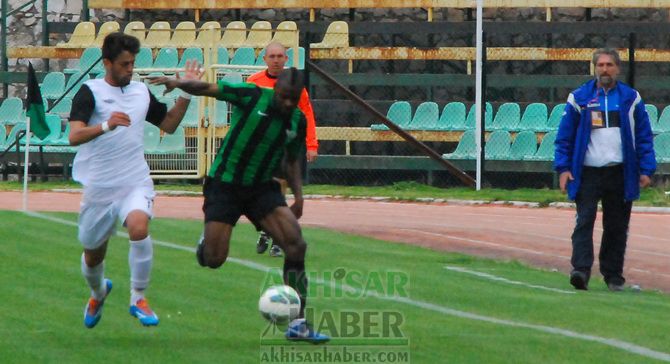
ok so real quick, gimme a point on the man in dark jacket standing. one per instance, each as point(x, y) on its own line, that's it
point(604, 152)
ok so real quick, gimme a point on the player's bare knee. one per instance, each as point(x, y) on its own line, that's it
point(138, 232)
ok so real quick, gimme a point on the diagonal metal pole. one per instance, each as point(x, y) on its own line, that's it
point(461, 175)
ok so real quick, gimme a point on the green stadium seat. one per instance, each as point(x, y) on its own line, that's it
point(555, 117)
point(158, 36)
point(64, 140)
point(507, 117)
point(220, 115)
point(470, 120)
point(534, 117)
point(286, 34)
point(152, 137)
point(337, 35)
point(144, 58)
point(652, 113)
point(12, 112)
point(233, 77)
point(137, 30)
point(3, 136)
point(244, 56)
point(466, 148)
point(452, 117)
point(234, 35)
point(166, 58)
point(184, 35)
point(222, 56)
point(259, 60)
point(63, 107)
point(105, 29)
point(546, 150)
point(524, 146)
point(209, 35)
point(190, 54)
point(400, 113)
point(191, 117)
point(425, 117)
point(664, 120)
point(73, 81)
point(301, 58)
point(174, 143)
point(662, 147)
point(83, 36)
point(259, 35)
point(53, 85)
point(88, 57)
point(498, 145)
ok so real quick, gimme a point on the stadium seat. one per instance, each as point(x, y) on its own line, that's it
point(152, 137)
point(191, 118)
point(259, 35)
point(534, 117)
point(144, 59)
point(337, 35)
point(400, 113)
point(190, 54)
point(546, 150)
point(158, 35)
point(452, 117)
point(234, 35)
point(555, 118)
point(63, 140)
point(209, 35)
point(3, 136)
point(63, 107)
point(220, 115)
point(652, 113)
point(156, 90)
point(244, 56)
point(286, 34)
point(524, 146)
point(82, 36)
point(259, 59)
point(470, 120)
point(53, 85)
point(73, 81)
point(662, 147)
point(233, 77)
point(664, 120)
point(11, 111)
point(425, 117)
point(301, 58)
point(166, 58)
point(105, 29)
point(137, 30)
point(88, 57)
point(507, 117)
point(222, 56)
point(498, 145)
point(466, 148)
point(173, 143)
point(14, 132)
point(184, 35)
point(55, 125)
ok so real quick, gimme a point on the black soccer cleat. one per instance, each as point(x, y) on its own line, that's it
point(579, 280)
point(263, 241)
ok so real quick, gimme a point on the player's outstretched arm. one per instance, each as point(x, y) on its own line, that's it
point(191, 86)
point(192, 71)
point(294, 181)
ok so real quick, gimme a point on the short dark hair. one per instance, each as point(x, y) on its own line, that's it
point(292, 80)
point(117, 42)
point(608, 51)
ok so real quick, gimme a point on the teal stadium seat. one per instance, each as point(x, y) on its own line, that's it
point(260, 61)
point(546, 150)
point(534, 117)
point(190, 54)
point(233, 77)
point(11, 111)
point(222, 56)
point(301, 58)
point(220, 115)
point(470, 120)
point(400, 113)
point(152, 137)
point(664, 120)
point(63, 107)
point(555, 118)
point(652, 113)
point(73, 81)
point(54, 123)
point(425, 117)
point(662, 147)
point(157, 90)
point(244, 56)
point(14, 132)
point(524, 146)
point(466, 148)
point(144, 58)
point(498, 145)
point(507, 117)
point(3, 136)
point(452, 117)
point(53, 85)
point(191, 118)
point(166, 58)
point(174, 143)
point(88, 57)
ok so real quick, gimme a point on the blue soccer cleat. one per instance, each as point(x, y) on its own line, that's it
point(93, 310)
point(300, 330)
point(143, 313)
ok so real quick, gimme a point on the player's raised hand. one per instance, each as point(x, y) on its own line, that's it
point(170, 83)
point(118, 119)
point(192, 70)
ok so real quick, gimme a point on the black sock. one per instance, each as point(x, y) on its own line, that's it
point(295, 277)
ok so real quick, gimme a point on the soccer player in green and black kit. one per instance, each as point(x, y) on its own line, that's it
point(267, 131)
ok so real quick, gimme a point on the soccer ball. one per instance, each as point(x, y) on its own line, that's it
point(279, 304)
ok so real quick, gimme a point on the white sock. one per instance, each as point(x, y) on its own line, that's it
point(95, 277)
point(140, 259)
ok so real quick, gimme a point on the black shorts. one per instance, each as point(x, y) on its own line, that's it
point(225, 202)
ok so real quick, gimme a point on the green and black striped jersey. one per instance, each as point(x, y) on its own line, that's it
point(258, 136)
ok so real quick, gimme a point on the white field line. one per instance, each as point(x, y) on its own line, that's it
point(505, 280)
point(615, 343)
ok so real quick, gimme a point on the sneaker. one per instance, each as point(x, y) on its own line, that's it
point(579, 280)
point(93, 310)
point(275, 251)
point(262, 244)
point(199, 253)
point(142, 311)
point(615, 287)
point(300, 330)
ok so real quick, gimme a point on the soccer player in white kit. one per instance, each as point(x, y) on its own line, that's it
point(107, 121)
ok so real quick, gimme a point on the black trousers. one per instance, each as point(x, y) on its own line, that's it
point(602, 184)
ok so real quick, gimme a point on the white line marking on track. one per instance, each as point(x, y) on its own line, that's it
point(615, 343)
point(505, 280)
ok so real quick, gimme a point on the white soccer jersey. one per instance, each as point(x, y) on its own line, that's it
point(115, 158)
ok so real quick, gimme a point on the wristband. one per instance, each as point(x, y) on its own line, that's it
point(105, 127)
point(185, 95)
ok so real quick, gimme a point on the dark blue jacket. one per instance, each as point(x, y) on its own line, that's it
point(574, 134)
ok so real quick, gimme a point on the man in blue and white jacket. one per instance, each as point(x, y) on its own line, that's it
point(604, 151)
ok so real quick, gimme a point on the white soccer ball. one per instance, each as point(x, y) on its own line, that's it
point(279, 304)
